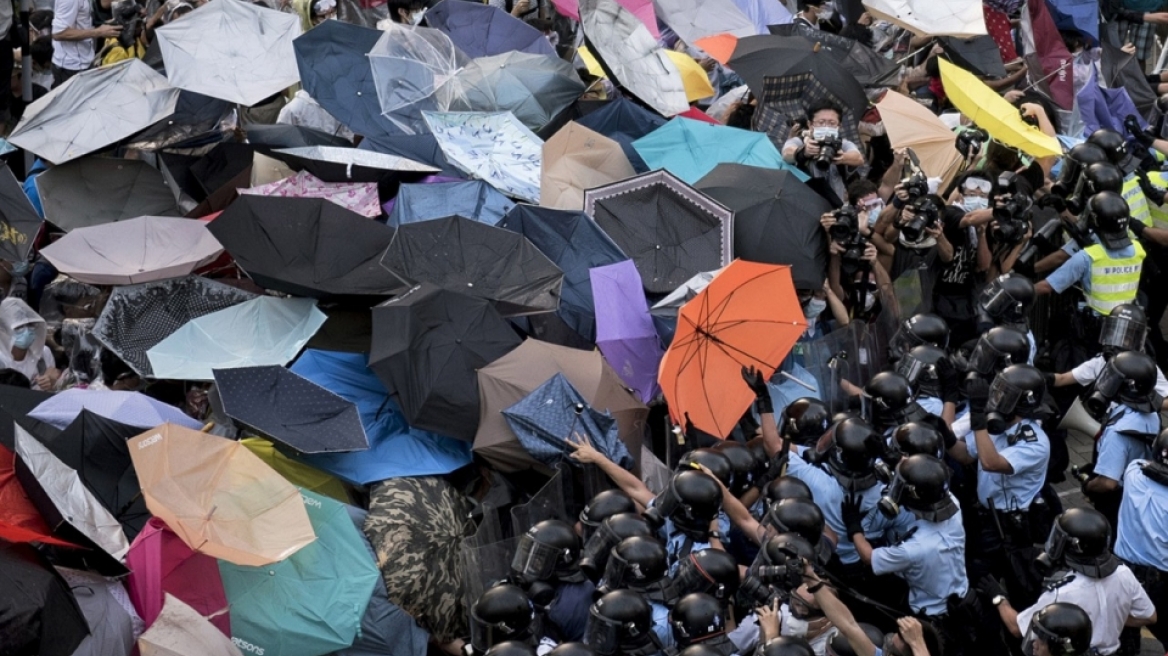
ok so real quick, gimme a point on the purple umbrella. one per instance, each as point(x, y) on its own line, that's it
point(624, 329)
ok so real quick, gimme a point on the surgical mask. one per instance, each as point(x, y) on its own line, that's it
point(814, 308)
point(874, 209)
point(826, 14)
point(973, 203)
point(417, 16)
point(824, 134)
point(24, 337)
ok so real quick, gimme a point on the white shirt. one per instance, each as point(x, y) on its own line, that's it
point(27, 366)
point(1108, 602)
point(76, 14)
point(1086, 373)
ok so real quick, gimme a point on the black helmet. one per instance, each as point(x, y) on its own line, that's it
point(602, 506)
point(596, 551)
point(503, 612)
point(839, 645)
point(1077, 158)
point(921, 485)
point(1124, 329)
point(742, 465)
point(787, 487)
point(718, 464)
point(787, 646)
point(691, 501)
point(711, 571)
point(800, 516)
point(621, 622)
point(1156, 468)
point(891, 400)
point(1128, 377)
point(548, 551)
point(849, 450)
point(697, 617)
point(636, 563)
point(781, 548)
point(1018, 390)
point(804, 421)
point(1065, 628)
point(919, 367)
point(1007, 299)
point(1103, 176)
point(1115, 147)
point(1080, 540)
point(998, 348)
point(762, 461)
point(916, 437)
point(1109, 218)
point(511, 648)
point(916, 330)
point(571, 649)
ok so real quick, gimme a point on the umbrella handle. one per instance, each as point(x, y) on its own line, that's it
point(797, 381)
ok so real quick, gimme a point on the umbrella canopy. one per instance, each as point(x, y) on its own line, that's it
point(546, 420)
point(93, 191)
point(869, 68)
point(306, 247)
point(931, 17)
point(276, 330)
point(414, 65)
point(776, 219)
point(41, 615)
point(335, 164)
point(493, 146)
point(278, 606)
point(94, 109)
point(624, 122)
point(631, 54)
point(690, 149)
point(108, 612)
point(784, 102)
point(910, 125)
point(1105, 108)
point(218, 497)
point(291, 409)
point(642, 9)
point(1121, 70)
point(471, 257)
point(336, 73)
point(575, 159)
point(669, 229)
point(1077, 16)
point(624, 331)
point(427, 345)
point(20, 521)
point(532, 87)
point(694, 19)
point(282, 135)
point(195, 122)
point(977, 54)
point(236, 51)
point(749, 315)
point(19, 220)
point(481, 30)
point(359, 197)
point(574, 242)
point(15, 404)
point(129, 408)
point(135, 251)
point(162, 565)
point(507, 380)
point(473, 199)
point(182, 631)
point(138, 317)
point(664, 312)
point(994, 114)
point(395, 448)
point(297, 472)
point(418, 147)
point(416, 526)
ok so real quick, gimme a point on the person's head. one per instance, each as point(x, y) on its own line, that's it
point(621, 622)
point(865, 196)
point(710, 571)
point(548, 551)
point(1109, 216)
point(920, 485)
point(602, 506)
point(636, 563)
point(691, 500)
point(614, 529)
point(14, 378)
point(1015, 393)
point(815, 10)
point(891, 398)
point(824, 117)
point(1079, 540)
point(920, 329)
point(804, 420)
point(800, 516)
point(976, 187)
point(848, 449)
point(322, 10)
point(813, 302)
point(1006, 300)
point(42, 50)
point(503, 612)
point(1058, 629)
point(406, 12)
point(697, 617)
point(21, 328)
point(1124, 329)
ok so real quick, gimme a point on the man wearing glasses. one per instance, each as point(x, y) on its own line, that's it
point(821, 153)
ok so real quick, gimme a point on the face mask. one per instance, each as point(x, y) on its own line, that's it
point(874, 209)
point(972, 203)
point(417, 16)
point(826, 14)
point(24, 337)
point(814, 308)
point(824, 134)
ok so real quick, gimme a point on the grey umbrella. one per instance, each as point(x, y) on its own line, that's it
point(93, 110)
point(534, 87)
point(92, 191)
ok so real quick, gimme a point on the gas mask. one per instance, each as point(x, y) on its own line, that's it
point(669, 505)
point(1056, 555)
point(1002, 403)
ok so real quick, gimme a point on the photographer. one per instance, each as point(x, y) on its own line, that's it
point(823, 154)
point(956, 283)
point(1001, 240)
point(854, 274)
point(910, 238)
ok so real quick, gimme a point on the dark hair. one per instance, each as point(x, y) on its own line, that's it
point(541, 24)
point(743, 114)
point(14, 378)
point(804, 4)
point(41, 50)
point(42, 19)
point(821, 105)
point(1046, 105)
point(409, 5)
point(113, 367)
point(861, 188)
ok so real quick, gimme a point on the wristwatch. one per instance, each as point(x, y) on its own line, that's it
point(998, 600)
point(716, 535)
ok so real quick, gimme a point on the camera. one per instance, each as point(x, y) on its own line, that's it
point(1042, 243)
point(754, 593)
point(915, 185)
point(846, 226)
point(970, 141)
point(829, 149)
point(925, 215)
point(128, 15)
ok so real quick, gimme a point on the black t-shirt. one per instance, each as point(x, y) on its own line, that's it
point(956, 277)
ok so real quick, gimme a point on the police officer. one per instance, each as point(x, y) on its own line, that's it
point(928, 371)
point(804, 421)
point(639, 564)
point(688, 513)
point(1060, 629)
point(711, 571)
point(1006, 301)
point(1142, 543)
point(698, 618)
point(892, 403)
point(503, 612)
point(621, 622)
point(1125, 329)
point(1114, 146)
point(571, 649)
point(511, 648)
point(919, 329)
point(547, 565)
point(786, 487)
point(602, 506)
point(594, 557)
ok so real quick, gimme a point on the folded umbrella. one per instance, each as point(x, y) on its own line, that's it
point(473, 258)
point(218, 497)
point(334, 164)
point(493, 146)
point(19, 221)
point(532, 87)
point(290, 409)
point(977, 54)
point(473, 199)
point(482, 31)
point(277, 606)
point(427, 345)
point(395, 448)
point(869, 68)
point(276, 331)
point(690, 149)
point(41, 615)
point(624, 122)
point(911, 125)
point(694, 19)
point(669, 229)
point(130, 408)
point(93, 191)
point(994, 114)
point(415, 66)
point(359, 197)
point(931, 17)
point(94, 109)
point(236, 51)
point(555, 414)
point(776, 219)
point(747, 316)
point(575, 159)
point(624, 331)
point(182, 631)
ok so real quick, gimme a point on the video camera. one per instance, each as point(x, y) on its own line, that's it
point(128, 15)
point(971, 141)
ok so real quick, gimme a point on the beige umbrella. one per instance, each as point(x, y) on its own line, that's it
point(575, 159)
point(911, 125)
point(219, 497)
point(960, 18)
point(181, 631)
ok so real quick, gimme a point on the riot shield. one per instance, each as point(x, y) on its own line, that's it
point(547, 503)
point(485, 556)
point(654, 473)
point(843, 354)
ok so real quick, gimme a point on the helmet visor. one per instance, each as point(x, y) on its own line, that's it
point(1004, 397)
point(996, 301)
point(985, 359)
point(1123, 333)
point(534, 561)
point(894, 491)
point(1056, 645)
point(602, 634)
point(1109, 382)
point(1056, 543)
point(596, 550)
point(484, 635)
point(902, 342)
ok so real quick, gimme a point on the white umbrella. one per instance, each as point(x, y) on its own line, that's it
point(694, 19)
point(94, 109)
point(960, 18)
point(181, 631)
point(232, 50)
point(493, 146)
point(411, 64)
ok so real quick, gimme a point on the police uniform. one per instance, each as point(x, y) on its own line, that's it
point(1026, 447)
point(931, 559)
point(568, 612)
point(661, 625)
point(1137, 202)
point(1117, 447)
point(678, 545)
point(1108, 601)
point(1107, 278)
point(931, 405)
point(1086, 373)
point(1143, 538)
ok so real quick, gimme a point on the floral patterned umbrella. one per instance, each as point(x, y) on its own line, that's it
point(494, 146)
point(360, 197)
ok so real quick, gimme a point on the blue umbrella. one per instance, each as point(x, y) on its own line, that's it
point(1105, 108)
point(474, 199)
point(555, 412)
point(1077, 15)
point(574, 242)
point(480, 30)
point(624, 122)
point(690, 149)
point(395, 448)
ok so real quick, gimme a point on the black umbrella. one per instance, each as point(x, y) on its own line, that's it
point(428, 345)
point(266, 137)
point(15, 404)
point(95, 190)
point(336, 164)
point(1121, 70)
point(573, 112)
point(669, 229)
point(290, 409)
point(474, 258)
point(307, 247)
point(220, 164)
point(19, 221)
point(784, 101)
point(195, 122)
point(757, 58)
point(870, 69)
point(979, 55)
point(38, 613)
point(418, 147)
point(776, 219)
point(346, 329)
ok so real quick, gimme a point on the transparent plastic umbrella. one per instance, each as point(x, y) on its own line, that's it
point(414, 64)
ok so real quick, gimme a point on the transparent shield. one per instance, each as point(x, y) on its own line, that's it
point(654, 474)
point(485, 556)
point(547, 503)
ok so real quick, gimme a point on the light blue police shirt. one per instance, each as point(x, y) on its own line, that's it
point(1143, 520)
point(931, 561)
point(1117, 450)
point(1078, 270)
point(1028, 459)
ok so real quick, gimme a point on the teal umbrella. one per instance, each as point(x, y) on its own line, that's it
point(690, 149)
point(312, 602)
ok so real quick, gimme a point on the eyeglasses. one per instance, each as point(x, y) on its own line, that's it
point(978, 184)
point(825, 123)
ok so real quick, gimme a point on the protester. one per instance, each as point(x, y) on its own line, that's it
point(73, 34)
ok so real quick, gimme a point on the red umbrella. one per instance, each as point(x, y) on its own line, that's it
point(19, 519)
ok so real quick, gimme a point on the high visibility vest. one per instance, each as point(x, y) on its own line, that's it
point(1114, 280)
point(1137, 202)
point(1158, 213)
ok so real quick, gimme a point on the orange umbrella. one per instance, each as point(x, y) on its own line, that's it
point(749, 315)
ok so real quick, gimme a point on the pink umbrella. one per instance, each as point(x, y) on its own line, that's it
point(160, 563)
point(642, 9)
point(360, 197)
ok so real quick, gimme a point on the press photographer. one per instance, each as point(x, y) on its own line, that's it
point(822, 152)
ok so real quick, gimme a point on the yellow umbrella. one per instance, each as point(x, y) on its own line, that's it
point(693, 76)
point(575, 159)
point(911, 125)
point(994, 114)
point(296, 472)
point(218, 497)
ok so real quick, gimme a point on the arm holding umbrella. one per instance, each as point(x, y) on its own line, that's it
point(583, 452)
